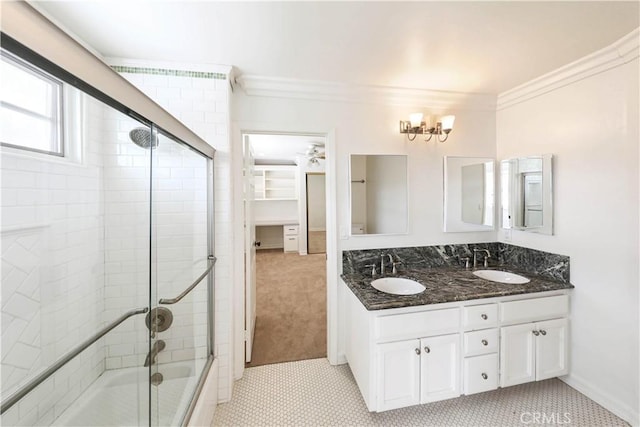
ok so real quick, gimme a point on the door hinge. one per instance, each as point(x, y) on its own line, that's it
point(246, 335)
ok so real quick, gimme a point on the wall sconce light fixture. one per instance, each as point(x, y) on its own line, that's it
point(417, 126)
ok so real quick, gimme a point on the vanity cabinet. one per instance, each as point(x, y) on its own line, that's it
point(417, 371)
point(536, 346)
point(413, 355)
point(534, 351)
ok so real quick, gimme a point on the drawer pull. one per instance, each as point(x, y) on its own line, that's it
point(418, 351)
point(484, 376)
point(536, 333)
point(484, 316)
point(427, 350)
point(485, 342)
point(543, 332)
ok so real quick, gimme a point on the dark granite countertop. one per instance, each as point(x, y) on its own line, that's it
point(445, 284)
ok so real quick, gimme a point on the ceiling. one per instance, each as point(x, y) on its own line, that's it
point(482, 47)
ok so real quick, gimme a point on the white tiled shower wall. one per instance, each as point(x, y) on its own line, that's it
point(179, 239)
point(52, 271)
point(202, 104)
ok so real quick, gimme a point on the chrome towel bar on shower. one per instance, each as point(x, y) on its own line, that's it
point(22, 392)
point(168, 301)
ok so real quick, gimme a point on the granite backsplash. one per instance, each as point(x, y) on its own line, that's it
point(544, 264)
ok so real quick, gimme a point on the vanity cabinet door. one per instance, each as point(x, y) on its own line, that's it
point(552, 349)
point(398, 382)
point(440, 368)
point(517, 352)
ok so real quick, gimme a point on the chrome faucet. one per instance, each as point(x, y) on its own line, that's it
point(157, 347)
point(382, 267)
point(475, 257)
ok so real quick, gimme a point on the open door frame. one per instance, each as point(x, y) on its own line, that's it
point(236, 365)
point(249, 248)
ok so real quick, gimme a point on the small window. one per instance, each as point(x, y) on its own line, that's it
point(30, 107)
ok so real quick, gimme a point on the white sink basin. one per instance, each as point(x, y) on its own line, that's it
point(397, 286)
point(501, 276)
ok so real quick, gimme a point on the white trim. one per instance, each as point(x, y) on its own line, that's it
point(341, 92)
point(609, 402)
point(620, 52)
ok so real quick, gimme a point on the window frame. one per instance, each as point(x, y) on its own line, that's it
point(57, 104)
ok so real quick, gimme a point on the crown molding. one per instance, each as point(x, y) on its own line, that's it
point(620, 52)
point(254, 85)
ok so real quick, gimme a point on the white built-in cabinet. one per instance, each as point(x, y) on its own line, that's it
point(417, 371)
point(414, 355)
point(275, 183)
point(534, 351)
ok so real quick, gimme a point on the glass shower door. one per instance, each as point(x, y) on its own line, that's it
point(180, 274)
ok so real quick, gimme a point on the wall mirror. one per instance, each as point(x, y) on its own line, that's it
point(526, 194)
point(378, 194)
point(469, 194)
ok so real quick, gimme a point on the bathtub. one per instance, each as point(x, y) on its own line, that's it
point(120, 397)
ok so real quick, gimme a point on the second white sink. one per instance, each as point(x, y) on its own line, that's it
point(398, 286)
point(501, 276)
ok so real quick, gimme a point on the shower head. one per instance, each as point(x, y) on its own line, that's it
point(142, 137)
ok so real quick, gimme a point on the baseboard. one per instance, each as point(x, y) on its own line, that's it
point(610, 403)
point(342, 359)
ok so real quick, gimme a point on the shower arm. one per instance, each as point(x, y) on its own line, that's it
point(25, 389)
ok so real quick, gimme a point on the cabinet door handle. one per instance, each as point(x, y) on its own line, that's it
point(427, 350)
point(485, 342)
point(536, 333)
point(484, 316)
point(418, 351)
point(484, 376)
point(543, 332)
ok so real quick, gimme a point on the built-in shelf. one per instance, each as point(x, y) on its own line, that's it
point(275, 183)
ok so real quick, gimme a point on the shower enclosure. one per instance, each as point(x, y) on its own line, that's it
point(107, 256)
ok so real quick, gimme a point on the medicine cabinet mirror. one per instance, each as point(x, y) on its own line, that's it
point(378, 194)
point(469, 194)
point(526, 194)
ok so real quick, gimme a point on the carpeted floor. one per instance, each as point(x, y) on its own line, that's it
point(291, 307)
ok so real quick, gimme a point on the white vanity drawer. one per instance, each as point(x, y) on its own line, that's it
point(481, 342)
point(291, 243)
point(480, 316)
point(534, 309)
point(480, 373)
point(417, 325)
point(290, 230)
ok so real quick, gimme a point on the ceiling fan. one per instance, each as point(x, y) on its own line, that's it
point(314, 153)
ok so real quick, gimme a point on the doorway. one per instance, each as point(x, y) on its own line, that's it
point(285, 203)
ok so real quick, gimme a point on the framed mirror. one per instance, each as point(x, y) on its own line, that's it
point(378, 194)
point(527, 193)
point(469, 194)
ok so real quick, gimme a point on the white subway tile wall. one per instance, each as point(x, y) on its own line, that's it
point(52, 272)
point(201, 102)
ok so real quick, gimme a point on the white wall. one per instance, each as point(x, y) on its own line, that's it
point(591, 128)
point(372, 128)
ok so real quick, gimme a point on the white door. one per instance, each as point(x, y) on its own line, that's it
point(517, 354)
point(440, 369)
point(249, 249)
point(398, 371)
point(551, 349)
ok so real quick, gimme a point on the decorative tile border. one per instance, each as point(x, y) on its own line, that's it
point(165, 72)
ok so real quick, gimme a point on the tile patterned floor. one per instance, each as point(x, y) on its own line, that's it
point(314, 393)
